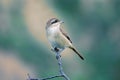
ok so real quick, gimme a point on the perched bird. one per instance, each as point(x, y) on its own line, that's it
point(58, 39)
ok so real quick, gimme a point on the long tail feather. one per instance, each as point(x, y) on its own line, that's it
point(76, 52)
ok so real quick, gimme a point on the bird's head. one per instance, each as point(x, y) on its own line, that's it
point(54, 22)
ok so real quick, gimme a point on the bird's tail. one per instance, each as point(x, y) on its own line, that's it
point(76, 52)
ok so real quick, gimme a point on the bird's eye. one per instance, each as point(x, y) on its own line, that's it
point(55, 21)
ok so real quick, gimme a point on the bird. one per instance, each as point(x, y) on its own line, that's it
point(58, 38)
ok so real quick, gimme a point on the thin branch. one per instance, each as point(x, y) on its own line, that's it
point(62, 74)
point(51, 77)
point(58, 57)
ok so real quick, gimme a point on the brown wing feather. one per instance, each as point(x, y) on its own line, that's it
point(65, 34)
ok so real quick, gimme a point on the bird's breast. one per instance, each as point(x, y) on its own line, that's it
point(52, 32)
point(56, 38)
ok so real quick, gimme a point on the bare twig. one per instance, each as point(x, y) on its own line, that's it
point(51, 77)
point(58, 57)
point(62, 74)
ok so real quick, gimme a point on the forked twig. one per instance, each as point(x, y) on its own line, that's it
point(61, 72)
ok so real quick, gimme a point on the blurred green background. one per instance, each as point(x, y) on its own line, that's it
point(93, 25)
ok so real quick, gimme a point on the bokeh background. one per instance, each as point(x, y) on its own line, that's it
point(93, 25)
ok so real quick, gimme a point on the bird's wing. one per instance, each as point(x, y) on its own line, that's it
point(65, 34)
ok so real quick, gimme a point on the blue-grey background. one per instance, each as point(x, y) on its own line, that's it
point(93, 25)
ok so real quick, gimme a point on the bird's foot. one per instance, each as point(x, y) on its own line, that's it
point(56, 49)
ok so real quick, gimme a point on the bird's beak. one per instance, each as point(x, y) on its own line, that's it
point(61, 22)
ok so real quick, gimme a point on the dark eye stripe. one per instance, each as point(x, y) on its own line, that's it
point(54, 21)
